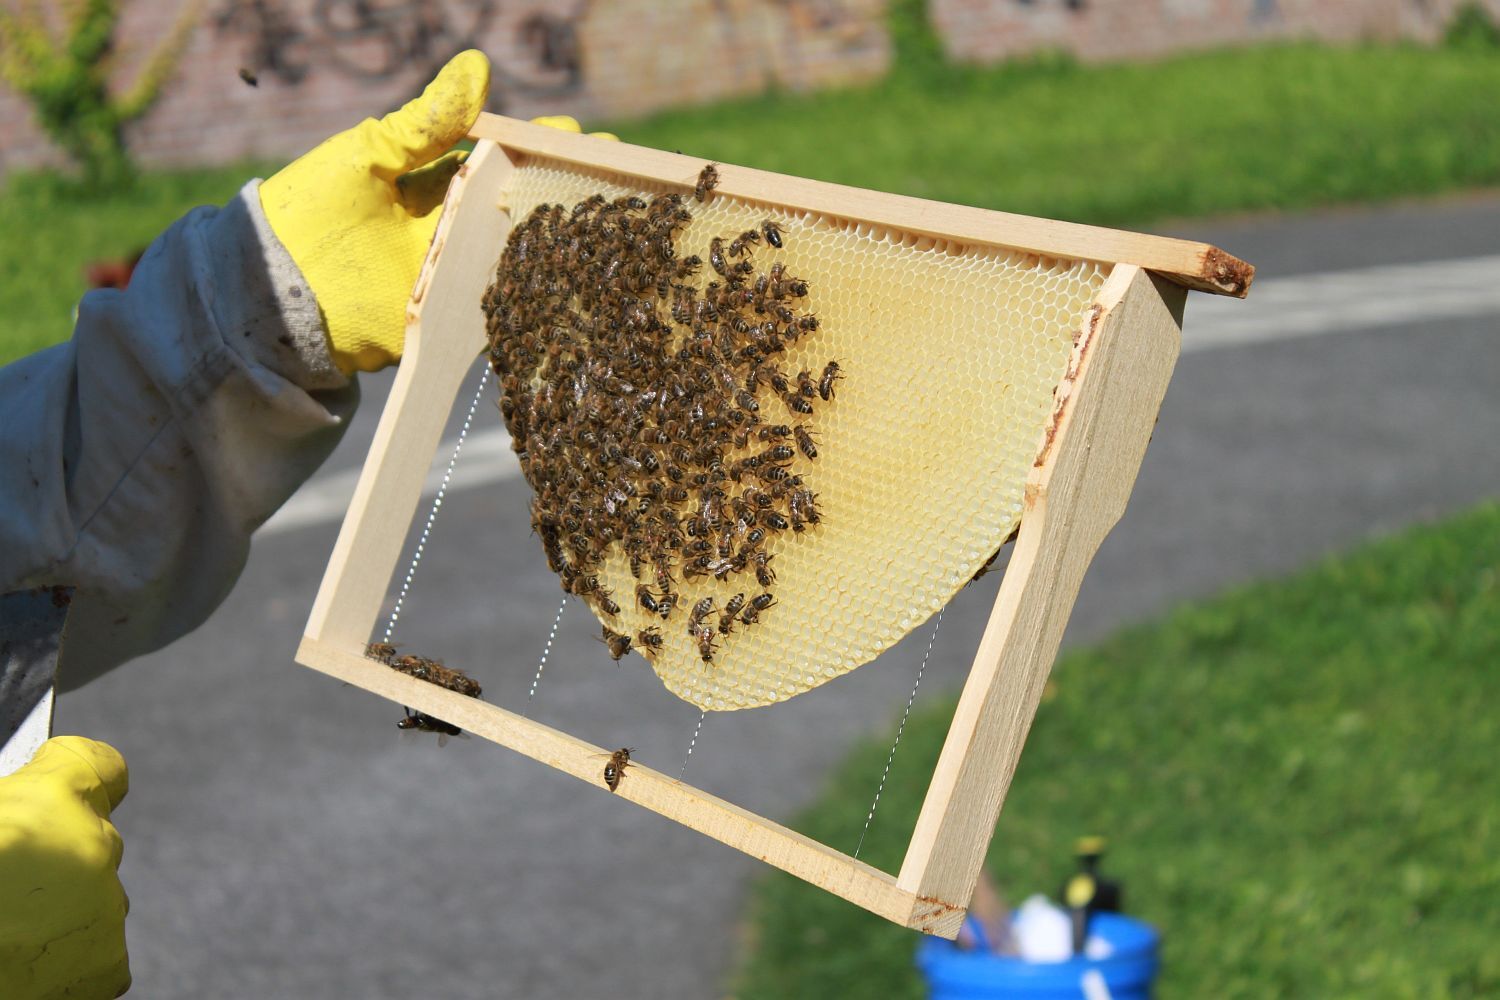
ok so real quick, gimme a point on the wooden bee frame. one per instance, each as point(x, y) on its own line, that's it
point(1105, 408)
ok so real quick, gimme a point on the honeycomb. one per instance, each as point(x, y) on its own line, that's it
point(950, 356)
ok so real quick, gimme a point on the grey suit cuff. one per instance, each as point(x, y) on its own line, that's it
point(262, 295)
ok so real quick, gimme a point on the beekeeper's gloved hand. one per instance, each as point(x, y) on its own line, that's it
point(62, 908)
point(357, 213)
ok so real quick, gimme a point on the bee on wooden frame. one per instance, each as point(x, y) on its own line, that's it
point(708, 179)
point(424, 723)
point(614, 771)
point(385, 652)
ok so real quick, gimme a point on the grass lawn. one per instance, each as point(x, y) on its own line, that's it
point(1273, 127)
point(1298, 779)
point(50, 237)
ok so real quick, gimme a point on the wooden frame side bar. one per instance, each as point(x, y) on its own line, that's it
point(1108, 404)
point(432, 371)
point(724, 821)
point(1196, 265)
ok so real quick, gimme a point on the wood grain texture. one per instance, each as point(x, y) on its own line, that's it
point(445, 332)
point(1195, 265)
point(1104, 410)
point(724, 821)
point(1107, 408)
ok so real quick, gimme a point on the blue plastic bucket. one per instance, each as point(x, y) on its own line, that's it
point(955, 974)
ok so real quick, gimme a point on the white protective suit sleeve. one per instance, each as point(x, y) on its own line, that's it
point(137, 458)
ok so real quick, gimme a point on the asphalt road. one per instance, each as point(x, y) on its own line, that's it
point(283, 840)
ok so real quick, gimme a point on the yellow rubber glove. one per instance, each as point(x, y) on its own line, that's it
point(62, 908)
point(357, 213)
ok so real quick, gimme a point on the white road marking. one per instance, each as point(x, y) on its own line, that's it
point(486, 459)
point(1277, 309)
point(1307, 305)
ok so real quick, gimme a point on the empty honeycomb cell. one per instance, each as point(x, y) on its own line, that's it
point(950, 355)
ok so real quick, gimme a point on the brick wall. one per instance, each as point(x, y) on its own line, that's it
point(322, 65)
point(987, 30)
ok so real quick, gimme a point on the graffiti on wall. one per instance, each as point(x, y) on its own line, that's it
point(375, 41)
point(1072, 5)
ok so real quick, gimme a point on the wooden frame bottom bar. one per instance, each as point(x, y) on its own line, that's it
point(714, 817)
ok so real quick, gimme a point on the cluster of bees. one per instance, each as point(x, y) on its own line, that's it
point(647, 399)
point(432, 671)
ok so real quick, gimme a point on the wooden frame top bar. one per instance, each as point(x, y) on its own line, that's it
point(1195, 265)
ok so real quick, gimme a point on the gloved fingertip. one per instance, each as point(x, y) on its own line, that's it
point(441, 115)
point(605, 135)
point(104, 760)
point(465, 82)
point(563, 123)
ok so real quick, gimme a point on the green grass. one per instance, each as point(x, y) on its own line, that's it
point(1298, 779)
point(51, 234)
point(1280, 127)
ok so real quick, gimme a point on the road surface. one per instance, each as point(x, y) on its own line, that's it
point(283, 840)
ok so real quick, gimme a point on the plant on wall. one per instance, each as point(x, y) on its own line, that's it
point(61, 62)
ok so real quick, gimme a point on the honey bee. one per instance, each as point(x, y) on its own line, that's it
point(796, 403)
point(803, 504)
point(732, 607)
point(385, 652)
point(805, 384)
point(831, 374)
point(708, 179)
point(716, 257)
point(614, 771)
point(778, 453)
point(805, 441)
point(700, 611)
point(422, 722)
point(649, 639)
point(706, 647)
point(751, 614)
point(646, 598)
point(773, 474)
point(764, 574)
point(743, 242)
point(617, 644)
point(772, 233)
point(434, 672)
